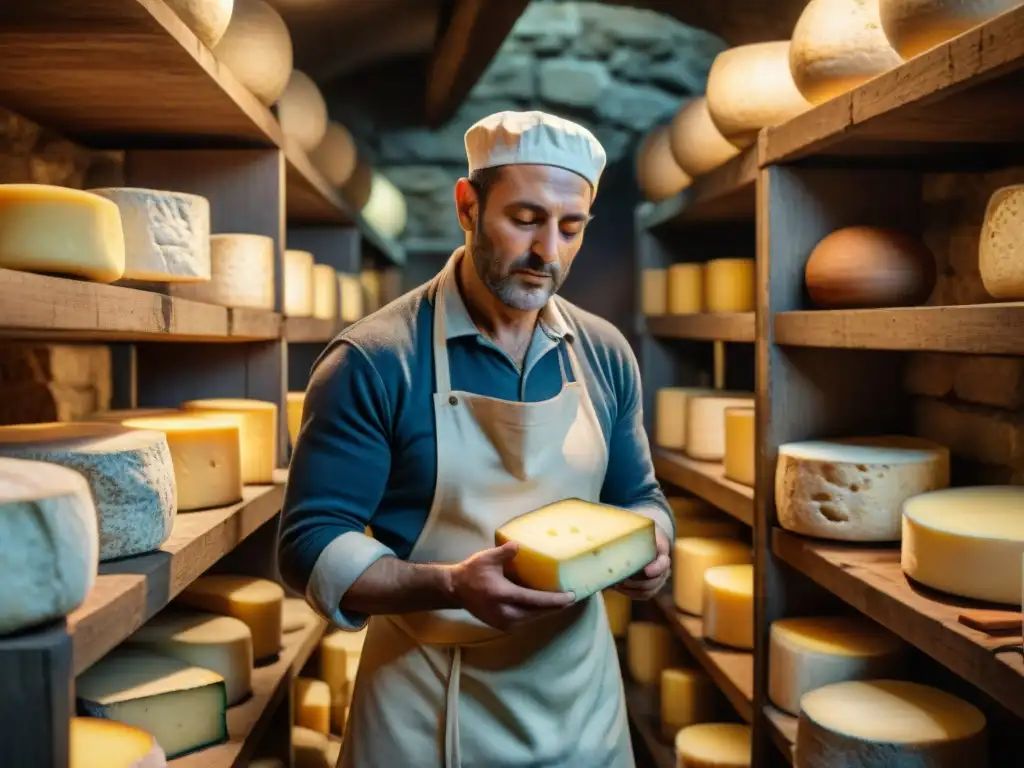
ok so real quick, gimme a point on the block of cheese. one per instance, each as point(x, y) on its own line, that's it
point(729, 285)
point(339, 660)
point(808, 653)
point(241, 274)
point(313, 704)
point(579, 547)
point(688, 696)
point(979, 529)
point(295, 401)
point(619, 609)
point(915, 26)
point(853, 489)
point(749, 88)
point(657, 173)
point(325, 292)
point(257, 421)
point(1000, 249)
point(705, 423)
point(650, 649)
point(890, 722)
point(129, 471)
point(166, 234)
point(298, 283)
point(729, 605)
point(208, 19)
point(670, 411)
point(257, 49)
point(302, 111)
point(296, 615)
point(685, 289)
point(653, 292)
point(60, 231)
point(183, 706)
point(697, 145)
point(99, 743)
point(335, 156)
point(739, 445)
point(692, 557)
point(351, 292)
point(49, 543)
point(312, 749)
point(714, 745)
point(256, 602)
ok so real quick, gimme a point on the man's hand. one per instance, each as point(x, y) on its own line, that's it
point(645, 584)
point(481, 587)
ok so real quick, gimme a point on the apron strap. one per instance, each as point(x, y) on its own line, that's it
point(452, 753)
point(442, 373)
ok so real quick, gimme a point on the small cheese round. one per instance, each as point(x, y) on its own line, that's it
point(259, 603)
point(325, 292)
point(729, 605)
point(335, 156)
point(96, 742)
point(888, 722)
point(257, 48)
point(740, 448)
point(340, 652)
point(257, 422)
point(688, 696)
point(729, 285)
point(650, 648)
point(705, 423)
point(657, 172)
point(297, 615)
point(313, 704)
point(853, 489)
point(670, 412)
point(653, 292)
point(714, 745)
point(302, 111)
point(295, 402)
point(351, 290)
point(915, 26)
point(241, 274)
point(685, 289)
point(691, 559)
point(208, 19)
point(298, 283)
point(619, 609)
point(1001, 247)
point(385, 208)
point(697, 145)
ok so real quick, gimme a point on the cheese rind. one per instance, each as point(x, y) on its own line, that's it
point(619, 609)
point(257, 421)
point(653, 292)
point(298, 283)
point(99, 743)
point(729, 285)
point(241, 274)
point(685, 289)
point(729, 605)
point(915, 26)
point(325, 292)
point(657, 173)
point(697, 145)
point(295, 402)
point(670, 413)
point(302, 111)
point(650, 649)
point(705, 423)
point(1000, 249)
point(740, 446)
point(256, 602)
point(688, 696)
point(691, 558)
point(313, 704)
point(257, 48)
point(340, 652)
point(714, 745)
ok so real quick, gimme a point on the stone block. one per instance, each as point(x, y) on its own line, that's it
point(541, 19)
point(682, 74)
point(989, 380)
point(509, 76)
point(70, 365)
point(573, 83)
point(616, 143)
point(631, 65)
point(33, 403)
point(930, 373)
point(636, 107)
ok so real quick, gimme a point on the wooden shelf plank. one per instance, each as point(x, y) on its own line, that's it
point(707, 480)
point(871, 580)
point(310, 329)
point(782, 728)
point(643, 708)
point(704, 326)
point(253, 324)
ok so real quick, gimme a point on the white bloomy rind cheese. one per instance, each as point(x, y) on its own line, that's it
point(166, 234)
point(714, 745)
point(967, 542)
point(298, 283)
point(705, 423)
point(130, 472)
point(729, 285)
point(257, 420)
point(619, 609)
point(697, 144)
point(808, 653)
point(915, 26)
point(258, 603)
point(99, 743)
point(579, 547)
point(60, 231)
point(670, 413)
point(853, 489)
point(888, 722)
point(650, 649)
point(1001, 247)
point(49, 545)
point(313, 704)
point(325, 292)
point(241, 274)
point(184, 707)
point(739, 445)
point(729, 605)
point(688, 696)
point(692, 557)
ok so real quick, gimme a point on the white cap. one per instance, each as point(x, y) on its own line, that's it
point(534, 138)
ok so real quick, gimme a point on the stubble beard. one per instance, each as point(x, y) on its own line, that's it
point(507, 287)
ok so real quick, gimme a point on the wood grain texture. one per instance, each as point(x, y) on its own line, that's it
point(706, 326)
point(304, 330)
point(783, 731)
point(707, 480)
point(253, 324)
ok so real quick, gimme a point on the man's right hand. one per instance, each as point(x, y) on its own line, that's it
point(481, 587)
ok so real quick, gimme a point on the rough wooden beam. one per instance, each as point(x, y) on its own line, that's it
point(738, 22)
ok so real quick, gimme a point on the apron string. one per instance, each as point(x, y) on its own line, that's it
point(452, 753)
point(442, 374)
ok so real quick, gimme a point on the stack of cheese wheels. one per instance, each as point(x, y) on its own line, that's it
point(688, 696)
point(296, 615)
point(351, 291)
point(619, 609)
point(335, 157)
point(166, 234)
point(657, 172)
point(729, 285)
point(257, 423)
point(836, 46)
point(241, 274)
point(981, 530)
point(340, 652)
point(685, 289)
point(130, 473)
point(60, 231)
point(697, 145)
point(739, 445)
point(295, 403)
point(695, 518)
point(749, 88)
point(258, 603)
point(853, 489)
point(314, 749)
point(692, 558)
point(298, 283)
point(650, 649)
point(915, 26)
point(99, 743)
point(729, 605)
point(385, 209)
point(808, 653)
point(858, 722)
point(47, 526)
point(1001, 248)
point(302, 111)
point(714, 745)
point(325, 292)
point(653, 292)
point(257, 49)
point(705, 423)
point(312, 704)
point(208, 19)
point(671, 410)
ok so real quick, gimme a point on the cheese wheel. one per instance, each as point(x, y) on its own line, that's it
point(749, 88)
point(808, 653)
point(259, 603)
point(697, 145)
point(729, 605)
point(740, 448)
point(653, 291)
point(356, 191)
point(981, 530)
point(1000, 249)
point(657, 173)
point(302, 111)
point(915, 26)
point(619, 609)
point(836, 46)
point(295, 402)
point(60, 231)
point(339, 660)
point(335, 156)
point(312, 704)
point(385, 209)
point(312, 749)
point(369, 279)
point(691, 559)
point(130, 473)
point(219, 643)
point(257, 48)
point(257, 423)
point(99, 743)
point(891, 722)
point(853, 489)
point(49, 543)
point(296, 615)
point(670, 413)
point(714, 745)
point(705, 423)
point(685, 289)
point(241, 274)
point(325, 292)
point(688, 696)
point(729, 285)
point(351, 291)
point(208, 19)
point(650, 649)
point(298, 283)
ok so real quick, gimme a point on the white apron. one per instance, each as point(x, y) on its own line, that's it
point(441, 689)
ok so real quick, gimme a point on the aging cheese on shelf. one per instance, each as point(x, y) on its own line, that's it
point(302, 111)
point(915, 26)
point(653, 292)
point(809, 653)
point(295, 402)
point(296, 615)
point(257, 48)
point(692, 557)
point(705, 423)
point(695, 518)
point(729, 285)
point(853, 489)
point(729, 605)
point(351, 291)
point(298, 283)
point(120, 415)
point(183, 706)
point(1000, 249)
point(714, 745)
point(980, 530)
point(685, 289)
point(697, 145)
point(99, 743)
point(619, 609)
point(339, 660)
point(579, 547)
point(739, 445)
point(49, 544)
point(312, 749)
point(208, 19)
point(257, 420)
point(670, 415)
point(369, 279)
point(60, 231)
point(219, 643)
point(241, 274)
point(650, 649)
point(166, 234)
point(313, 704)
point(335, 157)
point(657, 173)
point(852, 724)
point(256, 602)
point(688, 696)
point(325, 292)
point(385, 210)
point(129, 471)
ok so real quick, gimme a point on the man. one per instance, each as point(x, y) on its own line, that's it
point(473, 399)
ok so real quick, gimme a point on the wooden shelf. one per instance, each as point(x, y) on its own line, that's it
point(707, 480)
point(782, 728)
point(705, 326)
point(871, 580)
point(310, 329)
point(644, 712)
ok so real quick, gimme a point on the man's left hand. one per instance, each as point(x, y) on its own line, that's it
point(645, 584)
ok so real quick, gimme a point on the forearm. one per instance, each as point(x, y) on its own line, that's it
point(392, 586)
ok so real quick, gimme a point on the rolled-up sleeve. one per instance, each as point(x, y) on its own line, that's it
point(337, 477)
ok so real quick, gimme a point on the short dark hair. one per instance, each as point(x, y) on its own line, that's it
point(482, 180)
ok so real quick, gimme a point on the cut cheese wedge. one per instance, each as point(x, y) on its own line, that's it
point(241, 274)
point(915, 26)
point(325, 292)
point(619, 609)
point(313, 704)
point(685, 289)
point(579, 547)
point(688, 696)
point(692, 557)
point(670, 412)
point(739, 445)
point(697, 145)
point(257, 420)
point(256, 602)
point(295, 403)
point(650, 649)
point(298, 283)
point(339, 660)
point(653, 292)
point(714, 745)
point(297, 615)
point(705, 423)
point(99, 743)
point(729, 285)
point(729, 605)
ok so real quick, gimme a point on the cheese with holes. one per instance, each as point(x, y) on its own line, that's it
point(692, 557)
point(49, 543)
point(55, 230)
point(657, 173)
point(99, 743)
point(295, 402)
point(739, 445)
point(258, 603)
point(312, 748)
point(979, 529)
point(697, 145)
point(729, 285)
point(129, 471)
point(714, 745)
point(688, 696)
point(670, 412)
point(579, 547)
point(302, 111)
point(619, 609)
point(257, 420)
point(653, 292)
point(313, 704)
point(705, 423)
point(183, 706)
point(241, 274)
point(915, 26)
point(296, 615)
point(888, 722)
point(650, 649)
point(339, 660)
point(685, 289)
point(335, 156)
point(1000, 248)
point(325, 292)
point(808, 653)
point(298, 283)
point(351, 292)
point(257, 49)
point(853, 489)
point(729, 605)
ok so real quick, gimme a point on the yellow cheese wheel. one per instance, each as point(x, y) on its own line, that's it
point(688, 696)
point(657, 172)
point(729, 605)
point(312, 704)
point(619, 609)
point(740, 449)
point(257, 48)
point(714, 745)
point(697, 145)
point(302, 111)
point(915, 26)
point(298, 283)
point(325, 292)
point(705, 422)
point(259, 603)
point(296, 400)
point(729, 285)
point(351, 292)
point(385, 209)
point(685, 289)
point(100, 743)
point(335, 156)
point(257, 422)
point(653, 292)
point(208, 19)
point(650, 648)
point(692, 558)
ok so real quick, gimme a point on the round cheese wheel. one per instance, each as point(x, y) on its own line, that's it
point(325, 292)
point(729, 285)
point(96, 742)
point(729, 605)
point(258, 603)
point(295, 401)
point(1001, 248)
point(335, 156)
point(650, 648)
point(714, 745)
point(298, 283)
point(861, 267)
point(740, 448)
point(705, 423)
point(257, 49)
point(302, 111)
point(687, 696)
point(836, 46)
point(657, 173)
point(208, 19)
point(241, 274)
point(385, 208)
point(312, 704)
point(257, 423)
point(685, 288)
point(691, 559)
point(653, 291)
point(670, 413)
point(619, 609)
point(340, 652)
point(750, 87)
point(697, 145)
point(914, 26)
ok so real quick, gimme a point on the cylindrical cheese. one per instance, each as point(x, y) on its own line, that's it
point(619, 609)
point(208, 19)
point(705, 423)
point(691, 559)
point(740, 449)
point(351, 291)
point(298, 283)
point(256, 602)
point(1001, 247)
point(335, 157)
point(685, 289)
point(257, 48)
point(653, 291)
point(714, 745)
point(808, 653)
point(670, 413)
point(339, 659)
point(325, 292)
point(853, 489)
point(96, 742)
point(257, 420)
point(241, 274)
point(729, 605)
point(915, 26)
point(697, 145)
point(302, 111)
point(313, 704)
point(729, 285)
point(688, 696)
point(295, 402)
point(657, 173)
point(385, 209)
point(650, 648)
